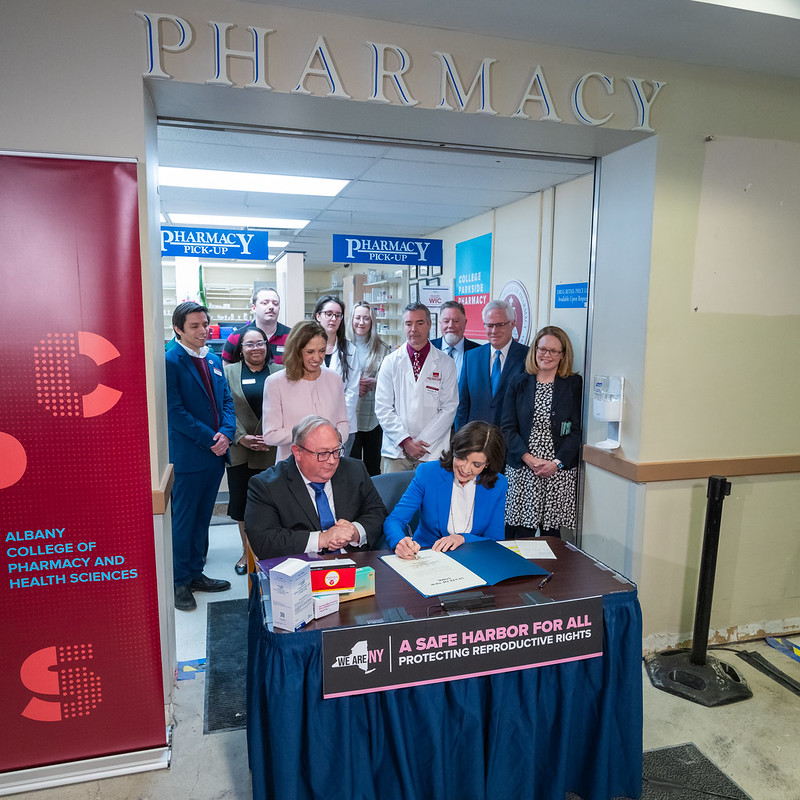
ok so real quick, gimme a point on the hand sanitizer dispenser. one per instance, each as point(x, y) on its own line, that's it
point(607, 407)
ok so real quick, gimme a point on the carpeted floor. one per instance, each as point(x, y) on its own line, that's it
point(226, 666)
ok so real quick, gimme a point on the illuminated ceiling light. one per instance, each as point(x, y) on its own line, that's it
point(779, 8)
point(277, 245)
point(249, 182)
point(238, 222)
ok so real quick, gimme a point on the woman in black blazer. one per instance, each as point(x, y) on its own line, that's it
point(541, 422)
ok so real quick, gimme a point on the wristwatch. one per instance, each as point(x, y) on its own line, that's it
point(558, 463)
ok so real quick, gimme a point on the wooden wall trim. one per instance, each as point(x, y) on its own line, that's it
point(164, 490)
point(651, 471)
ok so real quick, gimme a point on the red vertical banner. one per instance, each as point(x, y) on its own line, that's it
point(80, 658)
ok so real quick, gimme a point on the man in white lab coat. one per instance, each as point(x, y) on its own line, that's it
point(416, 396)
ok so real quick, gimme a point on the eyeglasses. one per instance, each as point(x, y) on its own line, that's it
point(491, 326)
point(542, 351)
point(254, 345)
point(325, 455)
point(331, 314)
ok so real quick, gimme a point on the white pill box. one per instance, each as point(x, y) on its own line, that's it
point(325, 604)
point(290, 594)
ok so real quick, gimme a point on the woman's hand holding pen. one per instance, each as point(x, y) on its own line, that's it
point(407, 548)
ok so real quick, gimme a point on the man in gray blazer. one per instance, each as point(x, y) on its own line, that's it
point(315, 501)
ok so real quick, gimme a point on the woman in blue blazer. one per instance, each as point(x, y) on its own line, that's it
point(460, 498)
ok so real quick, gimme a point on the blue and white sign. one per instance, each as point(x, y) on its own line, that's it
point(572, 295)
point(386, 250)
point(214, 243)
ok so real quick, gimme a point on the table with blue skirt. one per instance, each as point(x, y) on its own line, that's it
point(530, 733)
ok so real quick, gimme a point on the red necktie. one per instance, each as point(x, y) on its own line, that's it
point(416, 364)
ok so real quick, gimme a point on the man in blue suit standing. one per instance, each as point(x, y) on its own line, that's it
point(453, 323)
point(202, 423)
point(488, 369)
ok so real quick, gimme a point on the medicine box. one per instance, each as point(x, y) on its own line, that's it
point(290, 594)
point(333, 575)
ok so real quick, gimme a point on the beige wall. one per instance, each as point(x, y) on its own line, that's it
point(703, 380)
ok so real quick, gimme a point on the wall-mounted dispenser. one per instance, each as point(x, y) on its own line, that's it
point(607, 407)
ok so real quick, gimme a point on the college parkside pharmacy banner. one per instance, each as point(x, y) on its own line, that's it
point(80, 664)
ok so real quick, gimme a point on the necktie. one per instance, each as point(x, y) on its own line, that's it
point(416, 364)
point(449, 350)
point(496, 372)
point(326, 519)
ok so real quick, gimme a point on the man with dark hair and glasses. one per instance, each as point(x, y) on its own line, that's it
point(314, 501)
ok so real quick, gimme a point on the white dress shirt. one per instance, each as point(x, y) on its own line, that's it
point(312, 546)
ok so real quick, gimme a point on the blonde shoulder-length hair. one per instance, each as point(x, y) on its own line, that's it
point(565, 365)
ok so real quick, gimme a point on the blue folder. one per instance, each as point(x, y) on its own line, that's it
point(493, 562)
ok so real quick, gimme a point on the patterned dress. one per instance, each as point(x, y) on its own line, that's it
point(541, 502)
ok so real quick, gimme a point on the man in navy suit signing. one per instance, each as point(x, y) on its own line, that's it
point(453, 322)
point(489, 368)
point(201, 424)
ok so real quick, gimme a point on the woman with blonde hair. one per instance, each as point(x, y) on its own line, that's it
point(371, 352)
point(305, 387)
point(541, 423)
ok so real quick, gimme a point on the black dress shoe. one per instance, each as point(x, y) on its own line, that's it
point(206, 584)
point(241, 569)
point(184, 599)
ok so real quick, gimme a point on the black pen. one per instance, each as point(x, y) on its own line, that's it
point(542, 584)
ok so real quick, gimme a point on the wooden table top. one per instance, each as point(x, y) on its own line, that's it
point(575, 575)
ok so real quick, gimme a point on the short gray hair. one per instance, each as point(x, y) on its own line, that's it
point(308, 425)
point(418, 307)
point(511, 313)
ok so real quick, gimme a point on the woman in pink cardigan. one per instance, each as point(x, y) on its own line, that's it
point(306, 386)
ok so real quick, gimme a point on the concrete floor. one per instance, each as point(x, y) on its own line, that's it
point(755, 742)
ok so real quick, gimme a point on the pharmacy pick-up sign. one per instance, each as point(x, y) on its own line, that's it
point(214, 243)
point(386, 250)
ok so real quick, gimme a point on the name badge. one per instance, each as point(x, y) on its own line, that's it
point(248, 380)
point(218, 371)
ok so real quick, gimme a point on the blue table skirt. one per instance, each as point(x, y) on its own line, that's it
point(536, 733)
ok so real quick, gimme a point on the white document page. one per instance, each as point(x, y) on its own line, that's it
point(434, 573)
point(530, 548)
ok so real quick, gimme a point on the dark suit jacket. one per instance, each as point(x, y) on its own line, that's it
point(190, 415)
point(468, 344)
point(280, 513)
point(475, 399)
point(517, 418)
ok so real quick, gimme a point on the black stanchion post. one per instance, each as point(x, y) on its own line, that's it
point(718, 490)
point(695, 675)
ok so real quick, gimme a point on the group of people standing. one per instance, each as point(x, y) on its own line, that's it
point(492, 431)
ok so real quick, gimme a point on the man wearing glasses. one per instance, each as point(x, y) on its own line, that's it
point(314, 501)
point(488, 369)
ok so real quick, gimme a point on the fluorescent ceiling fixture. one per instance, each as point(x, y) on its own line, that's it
point(778, 8)
point(277, 245)
point(238, 222)
point(249, 182)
